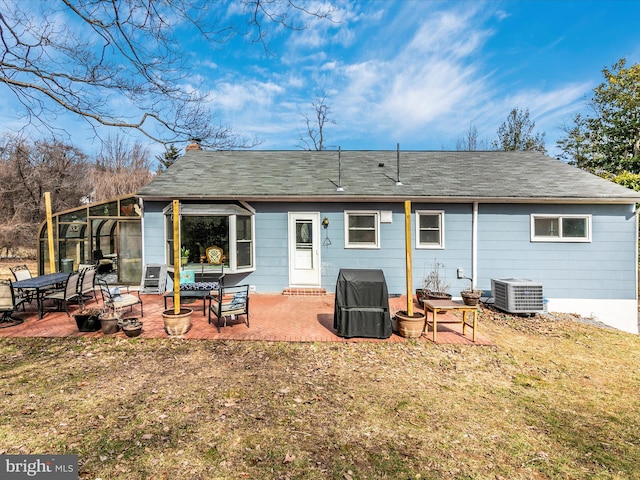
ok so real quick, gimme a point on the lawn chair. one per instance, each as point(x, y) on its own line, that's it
point(229, 301)
point(117, 298)
point(9, 303)
point(87, 284)
point(22, 272)
point(68, 293)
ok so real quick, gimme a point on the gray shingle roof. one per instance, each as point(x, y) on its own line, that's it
point(371, 176)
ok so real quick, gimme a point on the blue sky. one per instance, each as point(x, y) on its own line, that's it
point(418, 73)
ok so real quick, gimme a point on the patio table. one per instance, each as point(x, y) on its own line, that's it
point(436, 306)
point(195, 290)
point(40, 285)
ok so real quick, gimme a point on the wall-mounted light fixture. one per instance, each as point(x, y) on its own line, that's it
point(325, 222)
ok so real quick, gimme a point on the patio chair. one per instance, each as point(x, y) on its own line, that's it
point(103, 265)
point(67, 294)
point(117, 298)
point(229, 301)
point(87, 284)
point(22, 272)
point(9, 303)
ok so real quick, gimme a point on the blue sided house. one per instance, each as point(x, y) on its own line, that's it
point(290, 220)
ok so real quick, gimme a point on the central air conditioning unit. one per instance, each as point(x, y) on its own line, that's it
point(516, 295)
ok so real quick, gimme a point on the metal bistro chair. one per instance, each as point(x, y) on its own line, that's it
point(9, 303)
point(229, 301)
point(103, 264)
point(68, 293)
point(114, 299)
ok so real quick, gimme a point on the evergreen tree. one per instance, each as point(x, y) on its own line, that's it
point(609, 141)
point(168, 158)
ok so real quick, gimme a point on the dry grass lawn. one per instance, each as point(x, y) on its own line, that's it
point(553, 399)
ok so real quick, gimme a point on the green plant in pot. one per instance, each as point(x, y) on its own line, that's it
point(435, 286)
point(184, 255)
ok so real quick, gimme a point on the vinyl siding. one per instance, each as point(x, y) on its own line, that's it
point(603, 268)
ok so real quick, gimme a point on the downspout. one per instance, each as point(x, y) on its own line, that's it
point(139, 211)
point(636, 251)
point(474, 246)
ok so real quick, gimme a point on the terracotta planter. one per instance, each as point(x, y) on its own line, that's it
point(177, 324)
point(410, 326)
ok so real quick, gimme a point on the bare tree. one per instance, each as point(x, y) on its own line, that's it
point(85, 56)
point(28, 169)
point(314, 137)
point(121, 168)
point(469, 142)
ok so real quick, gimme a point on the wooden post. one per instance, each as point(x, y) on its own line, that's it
point(176, 257)
point(407, 238)
point(52, 259)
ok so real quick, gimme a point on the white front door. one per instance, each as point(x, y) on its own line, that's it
point(304, 249)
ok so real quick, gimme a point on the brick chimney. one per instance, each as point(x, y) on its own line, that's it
point(194, 145)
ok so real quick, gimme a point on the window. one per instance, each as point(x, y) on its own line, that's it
point(244, 241)
point(362, 229)
point(226, 226)
point(560, 228)
point(429, 229)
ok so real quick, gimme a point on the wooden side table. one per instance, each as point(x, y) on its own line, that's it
point(436, 306)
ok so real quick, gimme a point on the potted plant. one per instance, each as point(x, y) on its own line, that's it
point(435, 285)
point(109, 321)
point(88, 319)
point(471, 296)
point(184, 255)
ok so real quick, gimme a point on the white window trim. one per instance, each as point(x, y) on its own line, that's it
point(430, 246)
point(376, 214)
point(560, 238)
point(231, 211)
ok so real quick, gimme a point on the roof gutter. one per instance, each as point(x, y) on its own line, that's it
point(398, 199)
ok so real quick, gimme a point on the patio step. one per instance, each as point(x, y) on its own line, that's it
point(305, 291)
